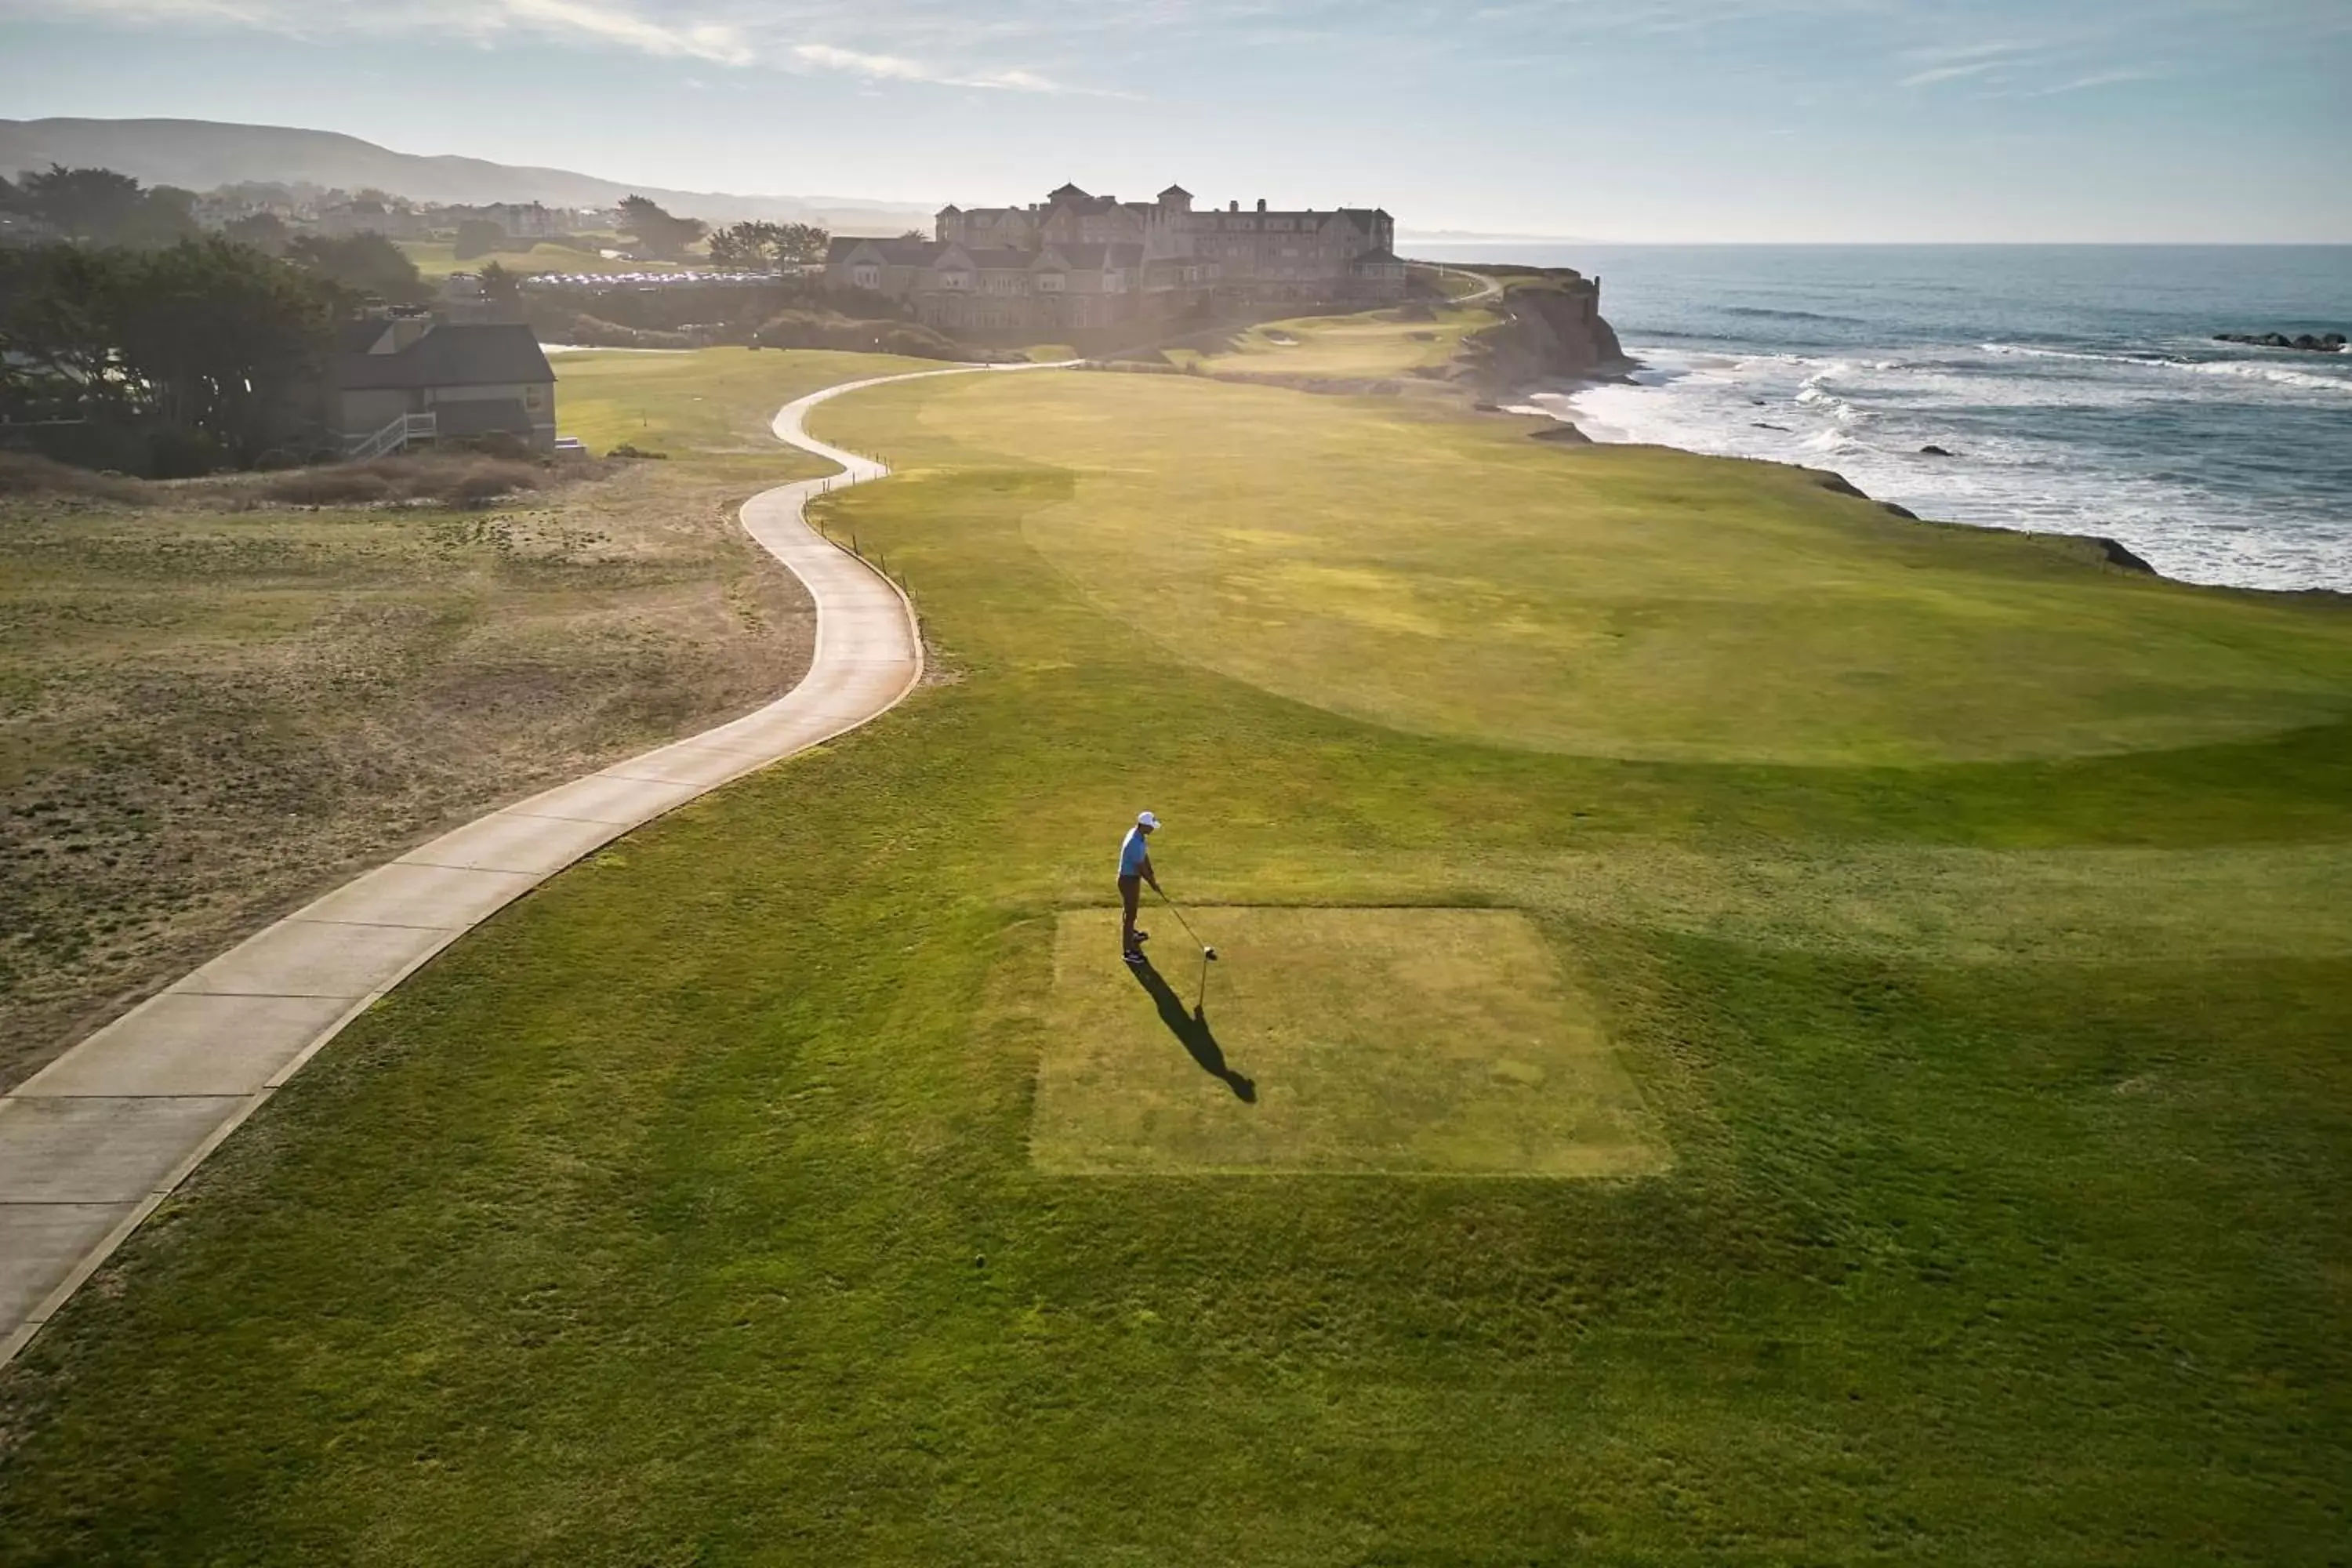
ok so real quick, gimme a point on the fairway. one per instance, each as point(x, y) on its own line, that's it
point(1452, 577)
point(1368, 343)
point(1750, 1032)
point(1365, 1041)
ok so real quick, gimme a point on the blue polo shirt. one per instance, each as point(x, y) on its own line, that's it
point(1131, 853)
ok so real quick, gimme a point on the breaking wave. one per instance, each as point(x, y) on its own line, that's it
point(2252, 369)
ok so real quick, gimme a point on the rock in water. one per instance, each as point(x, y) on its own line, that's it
point(1932, 450)
point(2308, 343)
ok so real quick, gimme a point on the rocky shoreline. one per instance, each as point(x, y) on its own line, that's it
point(2110, 551)
point(2307, 343)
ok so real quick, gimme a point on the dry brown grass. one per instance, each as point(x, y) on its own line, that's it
point(457, 479)
point(28, 474)
point(449, 479)
point(212, 709)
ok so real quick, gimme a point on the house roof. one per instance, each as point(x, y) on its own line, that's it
point(1069, 198)
point(1093, 255)
point(463, 353)
point(991, 258)
point(897, 252)
point(1174, 190)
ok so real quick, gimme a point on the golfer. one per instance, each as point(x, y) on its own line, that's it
point(1134, 870)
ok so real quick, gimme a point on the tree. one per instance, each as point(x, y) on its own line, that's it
point(500, 286)
point(656, 230)
point(266, 232)
point(165, 216)
point(226, 340)
point(743, 245)
point(55, 301)
point(367, 263)
point(479, 236)
point(82, 203)
point(100, 207)
point(755, 244)
point(206, 341)
point(804, 242)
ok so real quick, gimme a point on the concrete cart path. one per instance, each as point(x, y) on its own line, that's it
point(92, 1143)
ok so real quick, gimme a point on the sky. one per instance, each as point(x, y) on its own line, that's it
point(1644, 120)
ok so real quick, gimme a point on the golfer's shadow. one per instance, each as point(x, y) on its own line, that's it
point(1193, 1031)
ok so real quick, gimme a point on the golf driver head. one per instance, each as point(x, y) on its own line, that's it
point(1207, 952)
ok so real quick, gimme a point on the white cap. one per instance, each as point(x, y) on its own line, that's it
point(1146, 820)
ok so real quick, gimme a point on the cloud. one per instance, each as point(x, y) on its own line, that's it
point(2108, 78)
point(1990, 48)
point(720, 32)
point(1955, 62)
point(1950, 73)
point(897, 67)
point(884, 68)
point(713, 41)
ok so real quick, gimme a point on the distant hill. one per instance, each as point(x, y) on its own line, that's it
point(202, 153)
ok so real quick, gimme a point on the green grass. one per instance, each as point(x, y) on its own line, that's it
point(688, 1212)
point(1450, 576)
point(1454, 282)
point(711, 406)
point(1391, 1041)
point(1370, 344)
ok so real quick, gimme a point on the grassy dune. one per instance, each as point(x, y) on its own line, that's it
point(215, 703)
point(688, 1211)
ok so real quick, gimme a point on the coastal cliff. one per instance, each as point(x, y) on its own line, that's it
point(1552, 329)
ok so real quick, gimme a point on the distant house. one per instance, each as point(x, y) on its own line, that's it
point(368, 215)
point(401, 380)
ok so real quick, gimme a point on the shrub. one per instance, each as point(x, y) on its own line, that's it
point(342, 484)
point(178, 454)
point(590, 331)
point(489, 479)
point(447, 478)
point(30, 474)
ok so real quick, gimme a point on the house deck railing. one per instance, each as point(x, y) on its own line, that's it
point(394, 437)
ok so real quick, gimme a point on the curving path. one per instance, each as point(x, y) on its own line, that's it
point(1487, 287)
point(92, 1143)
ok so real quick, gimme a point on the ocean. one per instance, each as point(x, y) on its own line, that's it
point(2077, 387)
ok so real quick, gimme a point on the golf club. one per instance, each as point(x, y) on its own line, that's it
point(1208, 953)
